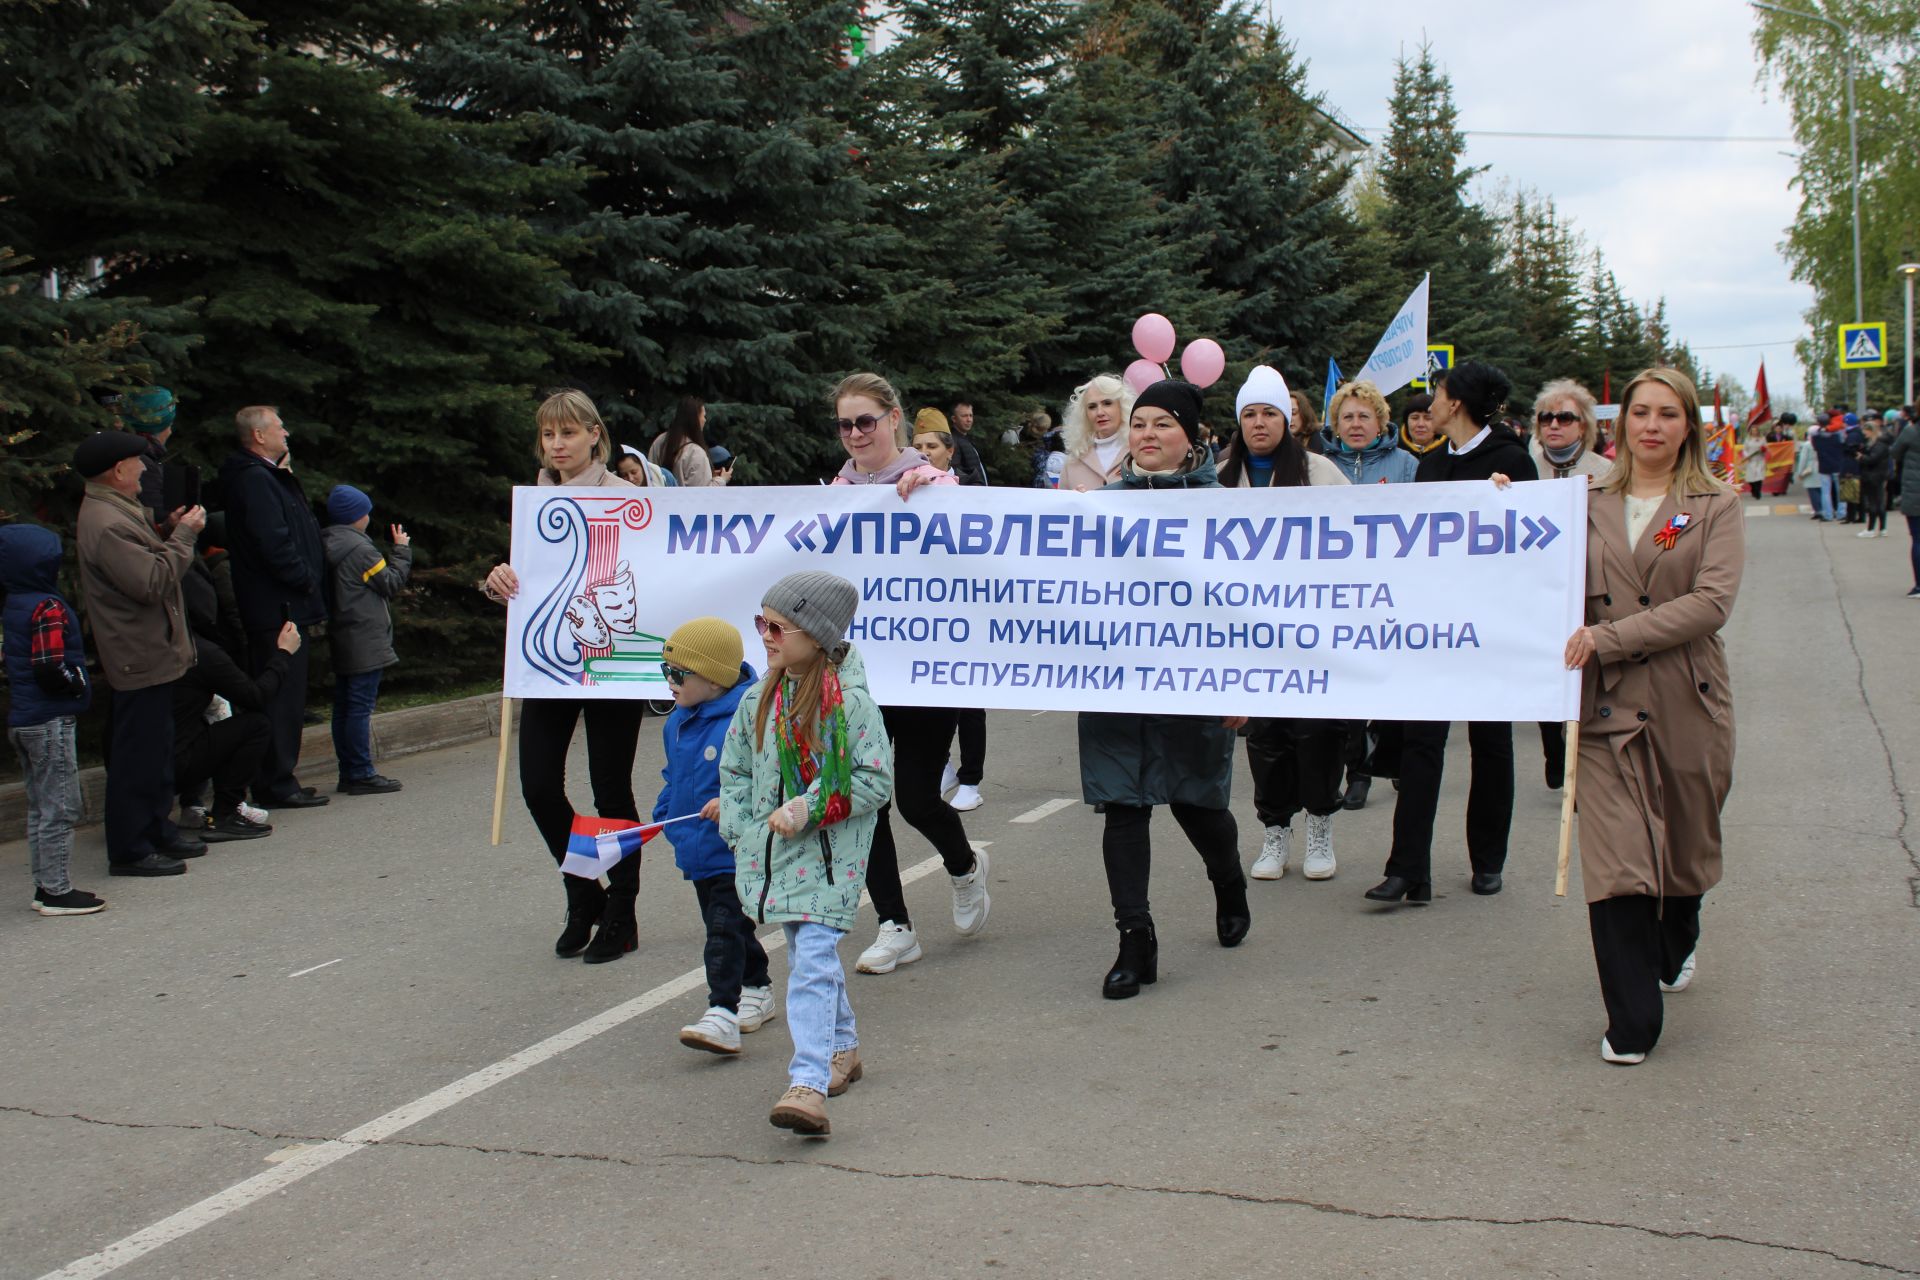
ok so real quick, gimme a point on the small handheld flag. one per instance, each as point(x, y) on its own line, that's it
point(596, 845)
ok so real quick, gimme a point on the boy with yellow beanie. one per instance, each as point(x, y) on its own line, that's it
point(704, 668)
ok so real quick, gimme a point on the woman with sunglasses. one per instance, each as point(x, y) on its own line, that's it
point(1566, 436)
point(573, 446)
point(867, 415)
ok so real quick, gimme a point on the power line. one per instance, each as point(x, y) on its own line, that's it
point(1741, 346)
point(1610, 137)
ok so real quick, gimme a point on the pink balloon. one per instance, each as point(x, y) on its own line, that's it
point(1203, 362)
point(1153, 337)
point(1142, 374)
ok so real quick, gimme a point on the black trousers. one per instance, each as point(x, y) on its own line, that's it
point(286, 718)
point(1423, 756)
point(139, 775)
point(921, 736)
point(1356, 748)
point(734, 955)
point(613, 735)
point(973, 746)
point(225, 753)
point(1296, 764)
point(1553, 744)
point(1128, 853)
point(1638, 943)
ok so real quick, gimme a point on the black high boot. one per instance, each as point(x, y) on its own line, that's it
point(618, 933)
point(1137, 965)
point(1231, 915)
point(585, 901)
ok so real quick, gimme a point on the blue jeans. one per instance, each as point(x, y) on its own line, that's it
point(818, 1015)
point(52, 768)
point(353, 699)
point(1836, 509)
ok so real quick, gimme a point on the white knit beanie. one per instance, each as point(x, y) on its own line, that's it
point(1264, 386)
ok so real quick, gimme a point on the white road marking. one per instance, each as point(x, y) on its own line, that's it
point(310, 1160)
point(1036, 715)
point(304, 972)
point(1046, 810)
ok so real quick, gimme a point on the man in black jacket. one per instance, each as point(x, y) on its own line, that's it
point(225, 751)
point(1466, 405)
point(967, 466)
point(278, 569)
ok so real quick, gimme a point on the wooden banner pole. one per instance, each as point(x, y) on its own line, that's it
point(506, 746)
point(1566, 808)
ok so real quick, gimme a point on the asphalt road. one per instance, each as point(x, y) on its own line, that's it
point(349, 1051)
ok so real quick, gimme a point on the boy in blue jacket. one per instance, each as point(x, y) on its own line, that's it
point(47, 684)
point(705, 670)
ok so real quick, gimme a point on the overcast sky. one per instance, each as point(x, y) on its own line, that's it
point(1698, 223)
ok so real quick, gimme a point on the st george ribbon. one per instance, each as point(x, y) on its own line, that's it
point(1408, 602)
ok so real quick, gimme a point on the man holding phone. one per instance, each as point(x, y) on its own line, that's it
point(274, 542)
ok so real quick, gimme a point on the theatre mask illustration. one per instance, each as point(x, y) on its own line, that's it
point(586, 630)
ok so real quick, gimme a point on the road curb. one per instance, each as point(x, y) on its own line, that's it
point(395, 734)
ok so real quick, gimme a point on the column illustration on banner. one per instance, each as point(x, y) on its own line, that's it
point(585, 630)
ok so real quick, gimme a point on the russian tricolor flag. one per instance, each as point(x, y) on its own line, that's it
point(596, 844)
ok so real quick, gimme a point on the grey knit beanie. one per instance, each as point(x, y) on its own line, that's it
point(820, 604)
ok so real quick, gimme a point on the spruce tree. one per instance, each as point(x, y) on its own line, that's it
point(1543, 257)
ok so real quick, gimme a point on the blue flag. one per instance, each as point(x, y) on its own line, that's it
point(1334, 379)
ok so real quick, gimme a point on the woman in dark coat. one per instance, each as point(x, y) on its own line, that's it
point(1132, 761)
point(1666, 542)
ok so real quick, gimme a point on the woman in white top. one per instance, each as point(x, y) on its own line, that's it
point(1094, 427)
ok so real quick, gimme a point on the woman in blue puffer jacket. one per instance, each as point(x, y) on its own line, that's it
point(1361, 446)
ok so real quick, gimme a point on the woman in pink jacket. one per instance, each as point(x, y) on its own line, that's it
point(1095, 429)
point(867, 414)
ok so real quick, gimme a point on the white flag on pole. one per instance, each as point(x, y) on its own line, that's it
point(1401, 354)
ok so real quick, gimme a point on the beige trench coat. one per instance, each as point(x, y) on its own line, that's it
point(1656, 728)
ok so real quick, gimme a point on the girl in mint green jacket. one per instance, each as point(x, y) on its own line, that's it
point(805, 769)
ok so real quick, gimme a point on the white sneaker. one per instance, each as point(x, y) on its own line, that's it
point(1319, 863)
point(717, 1032)
point(966, 799)
point(193, 817)
point(1622, 1059)
point(949, 778)
point(1866, 533)
point(1275, 853)
point(756, 1008)
point(253, 814)
point(1685, 979)
point(895, 946)
point(970, 900)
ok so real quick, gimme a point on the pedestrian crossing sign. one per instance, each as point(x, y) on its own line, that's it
point(1439, 356)
point(1863, 346)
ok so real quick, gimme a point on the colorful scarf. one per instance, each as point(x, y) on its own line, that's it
point(833, 764)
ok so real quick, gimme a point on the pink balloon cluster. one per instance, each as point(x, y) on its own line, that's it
point(1153, 337)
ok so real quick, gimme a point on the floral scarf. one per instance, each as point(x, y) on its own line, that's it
point(833, 764)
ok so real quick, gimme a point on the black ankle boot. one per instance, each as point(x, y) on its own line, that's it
point(1138, 964)
point(618, 932)
point(585, 901)
point(1396, 888)
point(1232, 917)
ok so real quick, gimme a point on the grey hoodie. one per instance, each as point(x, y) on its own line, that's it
point(909, 459)
point(360, 581)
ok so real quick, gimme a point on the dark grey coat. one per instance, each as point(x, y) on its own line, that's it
point(362, 580)
point(1906, 464)
point(1136, 758)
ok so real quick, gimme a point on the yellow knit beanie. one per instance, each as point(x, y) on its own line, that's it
point(707, 647)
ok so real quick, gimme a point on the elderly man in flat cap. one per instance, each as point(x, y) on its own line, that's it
point(130, 590)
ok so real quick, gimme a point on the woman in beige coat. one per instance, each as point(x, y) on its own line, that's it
point(1094, 429)
point(1665, 546)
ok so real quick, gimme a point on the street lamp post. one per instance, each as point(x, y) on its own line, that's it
point(1908, 270)
point(1853, 156)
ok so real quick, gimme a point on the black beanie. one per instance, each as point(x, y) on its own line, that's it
point(1181, 399)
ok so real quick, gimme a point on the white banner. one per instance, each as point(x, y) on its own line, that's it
point(1401, 354)
point(1395, 602)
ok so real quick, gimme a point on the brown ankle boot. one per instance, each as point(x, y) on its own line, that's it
point(846, 1070)
point(802, 1110)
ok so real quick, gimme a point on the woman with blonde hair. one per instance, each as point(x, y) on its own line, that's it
point(1362, 447)
point(1666, 543)
point(1095, 432)
point(868, 416)
point(1566, 433)
point(573, 447)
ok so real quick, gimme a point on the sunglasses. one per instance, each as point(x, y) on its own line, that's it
point(865, 424)
point(1564, 419)
point(774, 631)
point(675, 676)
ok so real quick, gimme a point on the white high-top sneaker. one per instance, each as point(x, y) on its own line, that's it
point(756, 1007)
point(970, 900)
point(718, 1031)
point(1276, 851)
point(1319, 861)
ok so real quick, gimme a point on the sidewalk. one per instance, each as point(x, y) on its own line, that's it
point(395, 734)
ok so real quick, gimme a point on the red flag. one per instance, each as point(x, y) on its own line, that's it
point(1606, 386)
point(1717, 419)
point(1762, 410)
